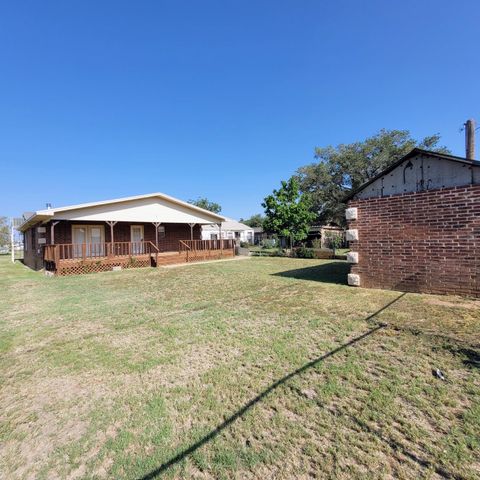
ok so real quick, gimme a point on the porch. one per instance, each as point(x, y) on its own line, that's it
point(78, 258)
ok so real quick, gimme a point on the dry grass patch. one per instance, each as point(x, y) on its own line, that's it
point(234, 370)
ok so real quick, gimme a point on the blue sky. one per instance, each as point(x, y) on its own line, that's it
point(223, 99)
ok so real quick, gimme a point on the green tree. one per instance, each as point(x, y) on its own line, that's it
point(340, 169)
point(206, 204)
point(288, 212)
point(334, 241)
point(254, 221)
point(4, 231)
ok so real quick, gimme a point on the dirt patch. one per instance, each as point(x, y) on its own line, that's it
point(46, 414)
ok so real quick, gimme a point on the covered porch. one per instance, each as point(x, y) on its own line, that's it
point(75, 247)
point(145, 230)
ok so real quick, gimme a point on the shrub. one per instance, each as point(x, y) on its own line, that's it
point(268, 243)
point(334, 240)
point(304, 252)
point(317, 243)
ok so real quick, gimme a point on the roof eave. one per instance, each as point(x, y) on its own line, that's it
point(414, 152)
point(34, 219)
point(55, 211)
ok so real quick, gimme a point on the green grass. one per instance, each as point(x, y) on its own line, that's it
point(232, 370)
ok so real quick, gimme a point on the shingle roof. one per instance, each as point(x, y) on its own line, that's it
point(50, 212)
point(229, 224)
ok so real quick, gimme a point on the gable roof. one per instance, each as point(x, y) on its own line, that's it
point(229, 224)
point(50, 213)
point(413, 153)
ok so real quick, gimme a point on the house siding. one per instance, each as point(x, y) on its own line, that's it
point(419, 242)
point(33, 257)
point(33, 246)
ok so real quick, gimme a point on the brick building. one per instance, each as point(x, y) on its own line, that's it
point(416, 226)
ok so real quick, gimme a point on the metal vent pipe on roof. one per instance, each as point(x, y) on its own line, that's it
point(470, 139)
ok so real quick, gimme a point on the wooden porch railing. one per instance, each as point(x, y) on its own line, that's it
point(76, 251)
point(194, 245)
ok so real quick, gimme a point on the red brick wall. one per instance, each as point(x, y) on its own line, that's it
point(420, 242)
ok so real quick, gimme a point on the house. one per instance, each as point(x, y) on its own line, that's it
point(230, 229)
point(259, 235)
point(322, 233)
point(144, 230)
point(416, 226)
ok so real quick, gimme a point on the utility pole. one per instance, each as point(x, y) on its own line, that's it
point(470, 139)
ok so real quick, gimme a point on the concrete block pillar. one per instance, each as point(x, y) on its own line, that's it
point(352, 257)
point(351, 213)
point(351, 235)
point(353, 279)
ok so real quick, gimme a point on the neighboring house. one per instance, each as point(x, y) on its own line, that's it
point(416, 226)
point(322, 232)
point(144, 230)
point(259, 235)
point(315, 232)
point(230, 229)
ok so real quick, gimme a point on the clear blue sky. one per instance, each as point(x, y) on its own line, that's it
point(223, 99)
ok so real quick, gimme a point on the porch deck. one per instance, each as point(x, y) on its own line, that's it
point(74, 259)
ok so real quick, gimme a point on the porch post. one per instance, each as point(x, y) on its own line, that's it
point(52, 233)
point(220, 237)
point(191, 230)
point(112, 224)
point(156, 225)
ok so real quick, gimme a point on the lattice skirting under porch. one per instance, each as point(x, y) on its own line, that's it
point(89, 266)
point(79, 267)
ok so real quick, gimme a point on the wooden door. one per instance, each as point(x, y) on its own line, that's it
point(136, 237)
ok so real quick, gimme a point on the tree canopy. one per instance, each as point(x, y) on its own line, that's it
point(254, 221)
point(340, 169)
point(4, 231)
point(288, 211)
point(206, 204)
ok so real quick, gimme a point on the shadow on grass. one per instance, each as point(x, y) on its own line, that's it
point(471, 356)
point(239, 413)
point(331, 272)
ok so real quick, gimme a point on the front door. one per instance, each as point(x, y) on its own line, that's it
point(88, 240)
point(136, 237)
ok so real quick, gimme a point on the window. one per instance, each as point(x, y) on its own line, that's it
point(26, 239)
point(161, 231)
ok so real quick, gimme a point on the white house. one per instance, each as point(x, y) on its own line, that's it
point(231, 229)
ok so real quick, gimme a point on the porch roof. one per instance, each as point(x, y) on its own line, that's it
point(154, 207)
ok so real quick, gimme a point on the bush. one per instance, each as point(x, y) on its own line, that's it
point(334, 240)
point(268, 243)
point(304, 252)
point(317, 243)
point(244, 244)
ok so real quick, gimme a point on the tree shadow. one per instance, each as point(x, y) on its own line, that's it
point(471, 356)
point(239, 413)
point(331, 272)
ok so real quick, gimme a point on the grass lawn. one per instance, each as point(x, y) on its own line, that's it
point(258, 368)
